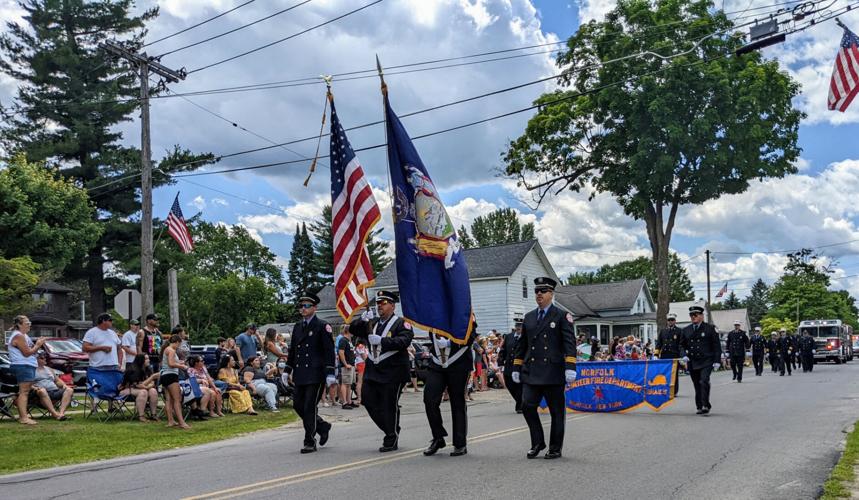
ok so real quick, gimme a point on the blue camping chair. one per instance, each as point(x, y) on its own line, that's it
point(102, 395)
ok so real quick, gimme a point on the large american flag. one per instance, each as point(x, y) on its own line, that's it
point(354, 212)
point(177, 228)
point(845, 75)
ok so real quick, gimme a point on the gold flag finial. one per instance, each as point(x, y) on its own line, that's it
point(381, 76)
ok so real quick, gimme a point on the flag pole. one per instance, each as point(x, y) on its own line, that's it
point(384, 89)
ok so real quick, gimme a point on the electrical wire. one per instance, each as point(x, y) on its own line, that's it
point(262, 47)
point(189, 28)
point(219, 35)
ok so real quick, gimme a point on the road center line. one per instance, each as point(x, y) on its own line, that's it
point(261, 486)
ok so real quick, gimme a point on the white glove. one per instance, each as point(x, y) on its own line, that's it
point(570, 376)
point(374, 339)
point(685, 359)
point(716, 366)
point(330, 380)
point(748, 354)
point(515, 376)
point(814, 351)
point(368, 315)
point(442, 343)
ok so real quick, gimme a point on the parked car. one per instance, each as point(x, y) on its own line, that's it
point(67, 356)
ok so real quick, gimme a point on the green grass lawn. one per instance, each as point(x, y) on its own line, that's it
point(844, 473)
point(52, 443)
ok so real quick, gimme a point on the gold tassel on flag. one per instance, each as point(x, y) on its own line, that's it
point(328, 97)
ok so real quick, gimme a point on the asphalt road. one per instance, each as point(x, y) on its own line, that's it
point(769, 437)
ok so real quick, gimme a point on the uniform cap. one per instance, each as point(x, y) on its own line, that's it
point(545, 283)
point(388, 295)
point(696, 309)
point(672, 316)
point(309, 297)
point(757, 328)
point(737, 323)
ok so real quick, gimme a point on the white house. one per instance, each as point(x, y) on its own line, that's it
point(608, 310)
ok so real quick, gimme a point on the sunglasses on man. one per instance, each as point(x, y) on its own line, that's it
point(305, 306)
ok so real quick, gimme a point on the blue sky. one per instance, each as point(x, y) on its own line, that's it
point(814, 207)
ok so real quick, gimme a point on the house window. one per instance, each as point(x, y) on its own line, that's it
point(524, 287)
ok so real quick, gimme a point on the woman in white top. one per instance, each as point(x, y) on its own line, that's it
point(22, 357)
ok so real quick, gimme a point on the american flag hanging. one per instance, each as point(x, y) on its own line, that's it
point(177, 228)
point(722, 291)
point(354, 212)
point(845, 75)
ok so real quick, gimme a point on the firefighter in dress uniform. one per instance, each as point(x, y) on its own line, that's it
point(772, 349)
point(785, 350)
point(702, 352)
point(736, 346)
point(545, 363)
point(668, 346)
point(759, 345)
point(310, 365)
point(505, 359)
point(450, 365)
point(807, 351)
point(386, 369)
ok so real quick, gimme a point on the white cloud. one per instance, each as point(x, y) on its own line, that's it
point(220, 201)
point(285, 221)
point(199, 203)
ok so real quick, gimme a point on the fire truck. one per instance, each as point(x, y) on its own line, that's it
point(833, 340)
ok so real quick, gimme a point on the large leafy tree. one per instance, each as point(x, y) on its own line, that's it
point(496, 228)
point(757, 303)
point(18, 277)
point(44, 217)
point(659, 133)
point(802, 292)
point(323, 248)
point(641, 267)
point(71, 96)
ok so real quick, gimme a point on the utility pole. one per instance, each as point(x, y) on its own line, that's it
point(145, 65)
point(707, 253)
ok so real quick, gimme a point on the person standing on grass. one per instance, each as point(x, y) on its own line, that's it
point(170, 366)
point(129, 343)
point(150, 342)
point(102, 344)
point(22, 355)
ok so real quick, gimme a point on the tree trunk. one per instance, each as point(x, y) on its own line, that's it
point(95, 280)
point(660, 239)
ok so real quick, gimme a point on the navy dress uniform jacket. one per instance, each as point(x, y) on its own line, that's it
point(759, 343)
point(668, 343)
point(508, 352)
point(702, 346)
point(737, 343)
point(546, 348)
point(311, 352)
point(395, 368)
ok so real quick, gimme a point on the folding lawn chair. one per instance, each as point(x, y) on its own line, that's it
point(8, 394)
point(102, 395)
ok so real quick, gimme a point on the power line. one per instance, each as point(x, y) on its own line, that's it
point(786, 251)
point(232, 58)
point(219, 35)
point(189, 28)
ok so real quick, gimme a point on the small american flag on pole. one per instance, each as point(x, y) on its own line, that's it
point(177, 228)
point(354, 212)
point(722, 291)
point(845, 75)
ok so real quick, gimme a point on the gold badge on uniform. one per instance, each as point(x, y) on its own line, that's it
point(552, 324)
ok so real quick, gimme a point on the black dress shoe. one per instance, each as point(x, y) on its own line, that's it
point(308, 449)
point(551, 454)
point(323, 436)
point(705, 411)
point(699, 412)
point(385, 449)
point(459, 451)
point(434, 446)
point(519, 411)
point(533, 452)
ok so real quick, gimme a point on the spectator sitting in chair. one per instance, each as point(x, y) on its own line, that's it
point(240, 398)
point(197, 369)
point(254, 379)
point(48, 389)
point(139, 383)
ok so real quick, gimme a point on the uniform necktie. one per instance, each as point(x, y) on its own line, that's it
point(540, 315)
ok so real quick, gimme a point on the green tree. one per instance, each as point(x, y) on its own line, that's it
point(641, 267)
point(71, 97)
point(18, 277)
point(732, 301)
point(769, 325)
point(301, 271)
point(757, 302)
point(499, 227)
point(659, 133)
point(323, 248)
point(44, 216)
point(464, 238)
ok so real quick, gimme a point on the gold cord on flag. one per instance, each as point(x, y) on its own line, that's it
point(328, 97)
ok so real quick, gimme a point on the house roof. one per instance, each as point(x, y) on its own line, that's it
point(573, 303)
point(681, 309)
point(724, 320)
point(496, 261)
point(52, 286)
point(605, 296)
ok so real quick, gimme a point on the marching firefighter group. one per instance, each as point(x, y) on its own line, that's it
point(698, 347)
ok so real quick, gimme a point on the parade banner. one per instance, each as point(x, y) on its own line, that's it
point(618, 386)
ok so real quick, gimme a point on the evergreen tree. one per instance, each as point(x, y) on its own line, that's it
point(464, 238)
point(756, 302)
point(323, 248)
point(301, 271)
point(71, 97)
point(731, 301)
